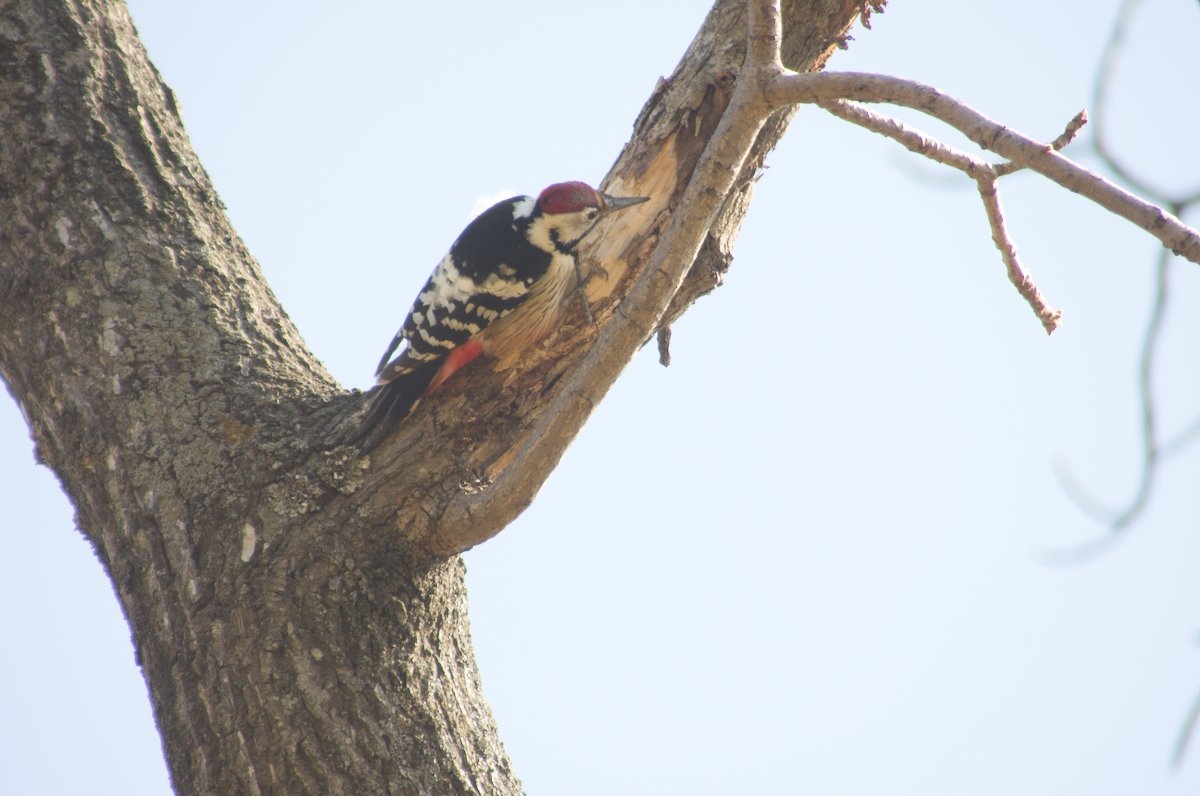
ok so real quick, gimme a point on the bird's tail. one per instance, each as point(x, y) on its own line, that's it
point(392, 402)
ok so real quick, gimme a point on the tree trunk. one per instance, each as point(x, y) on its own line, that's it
point(298, 610)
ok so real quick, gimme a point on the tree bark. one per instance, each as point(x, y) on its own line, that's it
point(298, 610)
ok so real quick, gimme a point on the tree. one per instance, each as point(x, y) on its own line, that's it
point(342, 585)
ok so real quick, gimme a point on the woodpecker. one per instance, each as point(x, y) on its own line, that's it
point(499, 290)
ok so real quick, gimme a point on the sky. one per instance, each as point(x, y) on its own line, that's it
point(817, 553)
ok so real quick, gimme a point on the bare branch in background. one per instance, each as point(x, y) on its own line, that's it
point(1120, 519)
point(1100, 95)
point(1186, 733)
point(1153, 451)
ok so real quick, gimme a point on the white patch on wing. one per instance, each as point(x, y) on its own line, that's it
point(487, 200)
point(524, 208)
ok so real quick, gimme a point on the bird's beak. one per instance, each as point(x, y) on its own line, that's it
point(615, 203)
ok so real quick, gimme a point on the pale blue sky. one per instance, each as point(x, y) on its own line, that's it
point(807, 557)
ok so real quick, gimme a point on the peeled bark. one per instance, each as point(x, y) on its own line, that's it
point(298, 610)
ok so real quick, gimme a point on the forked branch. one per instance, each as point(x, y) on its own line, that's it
point(991, 135)
point(985, 176)
point(780, 88)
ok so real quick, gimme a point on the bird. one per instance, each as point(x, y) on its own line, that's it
point(499, 290)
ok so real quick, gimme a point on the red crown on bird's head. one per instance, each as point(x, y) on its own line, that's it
point(569, 197)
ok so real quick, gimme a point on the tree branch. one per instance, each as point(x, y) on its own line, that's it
point(991, 135)
point(985, 176)
point(989, 192)
point(1058, 144)
point(1100, 100)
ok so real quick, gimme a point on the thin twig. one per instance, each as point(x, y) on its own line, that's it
point(912, 140)
point(791, 89)
point(1154, 325)
point(1058, 144)
point(1100, 97)
point(1024, 283)
point(985, 177)
point(1180, 441)
point(1185, 733)
point(1120, 520)
point(1153, 453)
point(1072, 129)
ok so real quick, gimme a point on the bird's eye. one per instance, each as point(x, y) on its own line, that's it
point(590, 213)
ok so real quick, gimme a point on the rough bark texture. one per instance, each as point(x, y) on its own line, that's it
point(298, 611)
